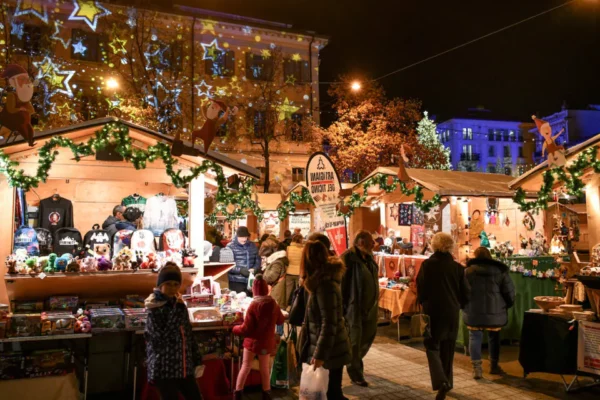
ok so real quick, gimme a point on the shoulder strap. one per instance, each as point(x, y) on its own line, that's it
point(95, 227)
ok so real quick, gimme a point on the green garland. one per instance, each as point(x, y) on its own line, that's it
point(381, 180)
point(289, 205)
point(118, 134)
point(572, 181)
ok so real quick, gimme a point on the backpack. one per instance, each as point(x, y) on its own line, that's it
point(44, 237)
point(67, 240)
point(172, 239)
point(226, 255)
point(26, 238)
point(96, 236)
point(142, 242)
point(120, 240)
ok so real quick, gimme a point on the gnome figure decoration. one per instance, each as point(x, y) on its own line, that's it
point(556, 153)
point(16, 115)
point(209, 130)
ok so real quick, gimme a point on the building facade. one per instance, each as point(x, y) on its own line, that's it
point(482, 143)
point(160, 67)
point(578, 126)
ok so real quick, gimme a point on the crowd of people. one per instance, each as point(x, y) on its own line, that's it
point(333, 299)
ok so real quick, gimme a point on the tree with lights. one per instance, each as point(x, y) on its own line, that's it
point(435, 155)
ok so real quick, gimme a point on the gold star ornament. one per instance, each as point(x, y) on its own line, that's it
point(88, 11)
point(286, 110)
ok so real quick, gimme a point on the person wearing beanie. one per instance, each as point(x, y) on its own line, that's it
point(258, 331)
point(245, 255)
point(171, 351)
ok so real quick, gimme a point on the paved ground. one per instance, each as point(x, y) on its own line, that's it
point(399, 371)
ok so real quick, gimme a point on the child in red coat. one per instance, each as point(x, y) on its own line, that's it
point(259, 332)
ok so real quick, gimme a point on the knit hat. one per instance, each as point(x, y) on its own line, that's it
point(242, 231)
point(169, 272)
point(260, 287)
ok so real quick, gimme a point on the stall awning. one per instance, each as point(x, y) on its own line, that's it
point(454, 183)
point(92, 125)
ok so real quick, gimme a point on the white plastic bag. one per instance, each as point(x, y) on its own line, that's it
point(313, 384)
point(250, 281)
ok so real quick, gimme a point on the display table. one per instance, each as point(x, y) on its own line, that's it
point(526, 288)
point(398, 302)
point(544, 263)
point(389, 264)
point(49, 388)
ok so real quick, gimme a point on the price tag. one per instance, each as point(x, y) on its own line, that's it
point(42, 275)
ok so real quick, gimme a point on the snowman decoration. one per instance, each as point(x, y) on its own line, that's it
point(556, 153)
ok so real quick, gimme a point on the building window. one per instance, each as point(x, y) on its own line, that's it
point(506, 151)
point(27, 39)
point(467, 149)
point(520, 151)
point(260, 123)
point(512, 136)
point(174, 56)
point(467, 134)
point(498, 135)
point(86, 46)
point(491, 168)
point(491, 135)
point(224, 65)
point(259, 68)
point(508, 171)
point(521, 169)
point(296, 71)
point(296, 134)
point(298, 174)
point(492, 151)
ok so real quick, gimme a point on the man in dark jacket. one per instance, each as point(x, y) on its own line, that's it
point(287, 238)
point(492, 294)
point(442, 290)
point(110, 224)
point(246, 259)
point(360, 290)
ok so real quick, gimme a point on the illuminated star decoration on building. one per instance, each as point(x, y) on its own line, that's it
point(17, 30)
point(203, 92)
point(118, 45)
point(296, 57)
point(155, 59)
point(131, 17)
point(286, 110)
point(64, 110)
point(221, 91)
point(208, 26)
point(88, 11)
point(266, 53)
point(36, 8)
point(290, 80)
point(79, 48)
point(114, 103)
point(235, 84)
point(211, 50)
point(56, 35)
point(247, 30)
point(59, 81)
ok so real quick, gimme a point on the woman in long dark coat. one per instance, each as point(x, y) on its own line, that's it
point(442, 290)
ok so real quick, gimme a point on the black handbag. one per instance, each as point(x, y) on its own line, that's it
point(298, 310)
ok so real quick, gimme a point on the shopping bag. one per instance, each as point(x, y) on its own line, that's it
point(292, 360)
point(419, 325)
point(250, 281)
point(279, 372)
point(313, 383)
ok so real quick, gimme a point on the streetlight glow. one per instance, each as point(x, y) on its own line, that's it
point(356, 86)
point(112, 83)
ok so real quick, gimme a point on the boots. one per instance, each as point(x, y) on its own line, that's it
point(495, 369)
point(238, 395)
point(477, 370)
point(266, 395)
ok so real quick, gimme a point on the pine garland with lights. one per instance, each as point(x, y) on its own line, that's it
point(118, 134)
point(571, 181)
point(289, 205)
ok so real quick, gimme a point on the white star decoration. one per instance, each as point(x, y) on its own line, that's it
point(55, 36)
point(79, 48)
point(205, 92)
point(436, 227)
point(42, 13)
point(209, 50)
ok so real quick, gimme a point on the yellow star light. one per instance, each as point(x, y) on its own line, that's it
point(36, 8)
point(208, 26)
point(286, 110)
point(118, 45)
point(296, 57)
point(266, 53)
point(64, 110)
point(290, 79)
point(221, 91)
point(88, 11)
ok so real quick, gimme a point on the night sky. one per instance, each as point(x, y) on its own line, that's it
point(531, 68)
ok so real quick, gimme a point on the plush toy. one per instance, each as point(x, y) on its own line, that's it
point(32, 266)
point(60, 265)
point(189, 255)
point(51, 261)
point(82, 325)
point(176, 258)
point(21, 259)
point(89, 264)
point(11, 265)
point(149, 261)
point(102, 250)
point(104, 264)
point(74, 265)
point(42, 263)
point(484, 239)
point(122, 261)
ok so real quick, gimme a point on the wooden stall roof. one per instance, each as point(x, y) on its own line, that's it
point(454, 183)
point(580, 209)
point(97, 123)
point(533, 177)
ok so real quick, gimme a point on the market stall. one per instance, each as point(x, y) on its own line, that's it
point(70, 180)
point(296, 210)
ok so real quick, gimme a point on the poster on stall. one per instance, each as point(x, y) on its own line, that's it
point(324, 186)
point(300, 221)
point(588, 347)
point(270, 223)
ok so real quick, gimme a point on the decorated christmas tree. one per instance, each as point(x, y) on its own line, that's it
point(428, 137)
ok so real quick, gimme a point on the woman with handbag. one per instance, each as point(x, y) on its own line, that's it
point(442, 290)
point(324, 340)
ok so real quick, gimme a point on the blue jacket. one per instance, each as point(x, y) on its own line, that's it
point(245, 257)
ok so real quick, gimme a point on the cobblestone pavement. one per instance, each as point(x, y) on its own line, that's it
point(399, 371)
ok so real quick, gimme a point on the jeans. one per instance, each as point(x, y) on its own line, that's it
point(171, 388)
point(476, 340)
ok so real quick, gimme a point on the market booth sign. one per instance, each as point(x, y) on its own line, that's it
point(324, 186)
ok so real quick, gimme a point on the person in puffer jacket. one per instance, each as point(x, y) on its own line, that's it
point(492, 294)
point(246, 258)
point(171, 351)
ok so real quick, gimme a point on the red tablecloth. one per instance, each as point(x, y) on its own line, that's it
point(407, 265)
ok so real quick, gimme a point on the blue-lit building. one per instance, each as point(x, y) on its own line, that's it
point(483, 142)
